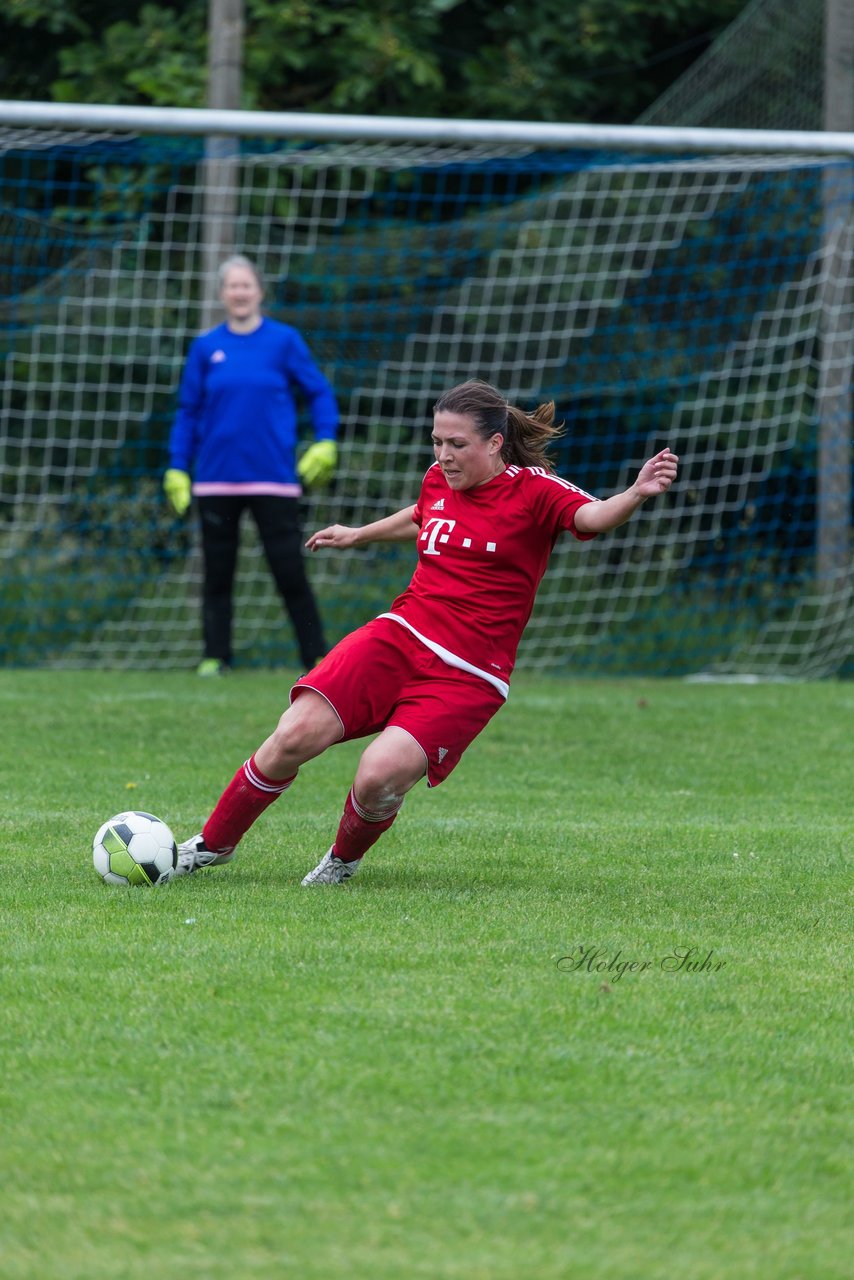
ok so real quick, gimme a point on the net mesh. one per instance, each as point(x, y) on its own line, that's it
point(694, 302)
point(765, 72)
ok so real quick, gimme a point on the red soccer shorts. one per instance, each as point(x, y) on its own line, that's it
point(381, 675)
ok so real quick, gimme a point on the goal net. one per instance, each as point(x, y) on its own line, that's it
point(697, 302)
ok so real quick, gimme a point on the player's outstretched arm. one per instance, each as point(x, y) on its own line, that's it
point(396, 528)
point(655, 477)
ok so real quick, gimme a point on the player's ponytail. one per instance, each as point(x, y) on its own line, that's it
point(527, 436)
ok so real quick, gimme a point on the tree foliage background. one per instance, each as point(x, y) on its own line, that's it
point(549, 60)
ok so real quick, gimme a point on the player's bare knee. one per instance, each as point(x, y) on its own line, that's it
point(379, 797)
point(380, 785)
point(287, 739)
point(297, 738)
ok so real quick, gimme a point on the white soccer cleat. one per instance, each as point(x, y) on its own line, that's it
point(194, 855)
point(331, 870)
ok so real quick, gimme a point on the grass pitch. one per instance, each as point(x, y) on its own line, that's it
point(583, 1013)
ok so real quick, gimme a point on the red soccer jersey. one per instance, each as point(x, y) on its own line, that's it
point(482, 553)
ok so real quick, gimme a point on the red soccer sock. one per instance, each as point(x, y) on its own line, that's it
point(248, 794)
point(359, 828)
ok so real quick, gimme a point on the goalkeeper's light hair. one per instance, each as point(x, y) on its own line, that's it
point(238, 260)
point(527, 436)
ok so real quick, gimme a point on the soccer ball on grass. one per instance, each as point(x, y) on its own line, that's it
point(134, 848)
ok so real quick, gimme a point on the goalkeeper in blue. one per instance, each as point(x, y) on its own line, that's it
point(233, 446)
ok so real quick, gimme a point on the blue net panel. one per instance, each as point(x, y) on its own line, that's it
point(696, 302)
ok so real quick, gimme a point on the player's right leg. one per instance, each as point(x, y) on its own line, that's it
point(219, 520)
point(306, 729)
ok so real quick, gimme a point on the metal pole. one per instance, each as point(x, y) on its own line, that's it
point(833, 516)
point(315, 127)
point(222, 159)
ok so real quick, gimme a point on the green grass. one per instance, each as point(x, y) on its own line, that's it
point(236, 1077)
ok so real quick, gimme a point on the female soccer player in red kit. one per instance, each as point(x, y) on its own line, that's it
point(428, 675)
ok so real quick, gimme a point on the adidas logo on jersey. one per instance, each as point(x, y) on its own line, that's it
point(218, 356)
point(438, 506)
point(441, 753)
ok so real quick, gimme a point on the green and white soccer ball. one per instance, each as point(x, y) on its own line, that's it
point(134, 848)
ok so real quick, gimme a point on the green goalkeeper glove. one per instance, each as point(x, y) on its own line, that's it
point(176, 486)
point(316, 465)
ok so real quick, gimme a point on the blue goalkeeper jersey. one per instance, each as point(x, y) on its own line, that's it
point(236, 426)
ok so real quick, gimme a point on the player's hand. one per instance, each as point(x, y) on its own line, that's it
point(657, 475)
point(176, 486)
point(336, 536)
point(317, 464)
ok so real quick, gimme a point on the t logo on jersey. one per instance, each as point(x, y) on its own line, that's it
point(434, 531)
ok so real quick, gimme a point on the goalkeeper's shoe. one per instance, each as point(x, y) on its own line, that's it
point(212, 667)
point(194, 855)
point(332, 870)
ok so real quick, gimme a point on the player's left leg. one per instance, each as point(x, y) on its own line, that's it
point(437, 713)
point(389, 767)
point(278, 524)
